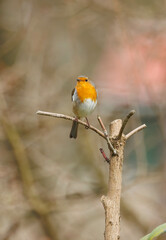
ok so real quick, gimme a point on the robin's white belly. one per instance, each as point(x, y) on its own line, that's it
point(82, 109)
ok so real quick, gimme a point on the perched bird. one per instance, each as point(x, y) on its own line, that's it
point(84, 98)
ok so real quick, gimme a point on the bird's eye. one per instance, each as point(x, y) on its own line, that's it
point(86, 80)
point(78, 80)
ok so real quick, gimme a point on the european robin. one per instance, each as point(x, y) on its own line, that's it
point(84, 98)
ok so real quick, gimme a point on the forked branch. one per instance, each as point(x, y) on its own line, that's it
point(116, 141)
point(110, 146)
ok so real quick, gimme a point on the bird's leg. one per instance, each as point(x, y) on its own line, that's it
point(87, 123)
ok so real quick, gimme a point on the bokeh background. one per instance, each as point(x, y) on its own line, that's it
point(50, 185)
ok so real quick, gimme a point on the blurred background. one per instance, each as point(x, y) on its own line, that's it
point(50, 185)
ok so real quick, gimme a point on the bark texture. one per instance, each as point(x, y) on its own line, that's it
point(111, 202)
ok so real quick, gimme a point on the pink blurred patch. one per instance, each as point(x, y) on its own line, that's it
point(135, 71)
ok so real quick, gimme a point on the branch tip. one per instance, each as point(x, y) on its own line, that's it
point(104, 155)
point(125, 121)
point(102, 125)
point(135, 131)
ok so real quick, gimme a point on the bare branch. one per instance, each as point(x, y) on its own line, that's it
point(58, 115)
point(135, 131)
point(111, 148)
point(125, 121)
point(102, 125)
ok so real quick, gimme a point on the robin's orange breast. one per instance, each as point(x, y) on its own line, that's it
point(86, 90)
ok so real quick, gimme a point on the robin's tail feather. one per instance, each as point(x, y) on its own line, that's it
point(73, 133)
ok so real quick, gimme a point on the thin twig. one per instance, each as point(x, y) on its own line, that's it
point(104, 155)
point(58, 115)
point(111, 148)
point(135, 131)
point(102, 125)
point(125, 122)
